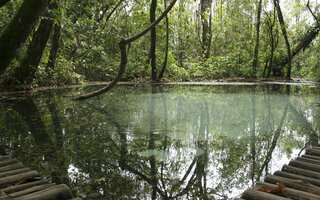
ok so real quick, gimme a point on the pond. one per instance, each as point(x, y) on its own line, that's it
point(161, 142)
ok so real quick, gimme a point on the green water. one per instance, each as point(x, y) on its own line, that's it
point(161, 142)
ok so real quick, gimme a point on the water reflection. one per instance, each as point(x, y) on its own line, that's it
point(161, 142)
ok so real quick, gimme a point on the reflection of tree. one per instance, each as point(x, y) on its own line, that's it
point(306, 126)
point(163, 144)
point(202, 158)
point(165, 140)
point(266, 121)
point(275, 138)
point(30, 114)
point(152, 159)
point(44, 142)
point(60, 173)
point(194, 178)
point(253, 134)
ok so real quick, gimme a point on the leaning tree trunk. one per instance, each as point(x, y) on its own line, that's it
point(284, 33)
point(153, 39)
point(55, 46)
point(124, 56)
point(303, 44)
point(29, 64)
point(17, 31)
point(256, 49)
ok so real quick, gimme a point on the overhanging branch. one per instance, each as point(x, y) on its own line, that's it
point(124, 56)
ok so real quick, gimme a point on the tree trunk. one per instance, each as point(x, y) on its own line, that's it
point(167, 45)
point(29, 64)
point(17, 31)
point(153, 8)
point(55, 46)
point(181, 45)
point(256, 49)
point(270, 25)
point(284, 33)
point(205, 10)
point(303, 44)
point(124, 56)
point(3, 2)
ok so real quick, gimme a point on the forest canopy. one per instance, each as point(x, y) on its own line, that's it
point(68, 42)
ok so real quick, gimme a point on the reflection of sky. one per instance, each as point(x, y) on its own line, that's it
point(228, 133)
point(230, 118)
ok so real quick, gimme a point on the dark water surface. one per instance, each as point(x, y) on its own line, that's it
point(160, 142)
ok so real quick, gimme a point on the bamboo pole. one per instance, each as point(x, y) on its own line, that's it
point(298, 177)
point(292, 193)
point(302, 172)
point(294, 184)
point(304, 165)
point(53, 193)
point(251, 194)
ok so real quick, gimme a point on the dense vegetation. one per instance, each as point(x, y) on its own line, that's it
point(67, 42)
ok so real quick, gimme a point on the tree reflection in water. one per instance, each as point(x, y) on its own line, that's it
point(161, 142)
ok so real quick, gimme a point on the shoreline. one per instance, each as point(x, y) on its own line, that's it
point(219, 82)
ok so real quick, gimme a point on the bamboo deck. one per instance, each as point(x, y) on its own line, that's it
point(20, 183)
point(300, 178)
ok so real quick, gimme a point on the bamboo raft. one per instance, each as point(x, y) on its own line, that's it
point(20, 183)
point(300, 179)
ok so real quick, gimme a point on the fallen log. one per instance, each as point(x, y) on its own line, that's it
point(18, 178)
point(308, 160)
point(298, 177)
point(2, 158)
point(303, 44)
point(292, 193)
point(31, 190)
point(294, 184)
point(17, 188)
point(302, 172)
point(310, 157)
point(251, 194)
point(316, 148)
point(304, 165)
point(13, 172)
point(8, 162)
point(11, 167)
point(53, 193)
point(313, 152)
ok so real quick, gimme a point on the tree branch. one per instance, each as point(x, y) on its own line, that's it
point(124, 57)
point(113, 10)
point(314, 16)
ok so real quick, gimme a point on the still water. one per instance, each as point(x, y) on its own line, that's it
point(160, 142)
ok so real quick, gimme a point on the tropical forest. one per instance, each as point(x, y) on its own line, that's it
point(160, 99)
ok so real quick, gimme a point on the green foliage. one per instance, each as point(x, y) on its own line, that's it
point(62, 75)
point(89, 43)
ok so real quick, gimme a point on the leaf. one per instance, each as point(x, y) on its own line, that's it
point(283, 188)
point(267, 189)
point(82, 195)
